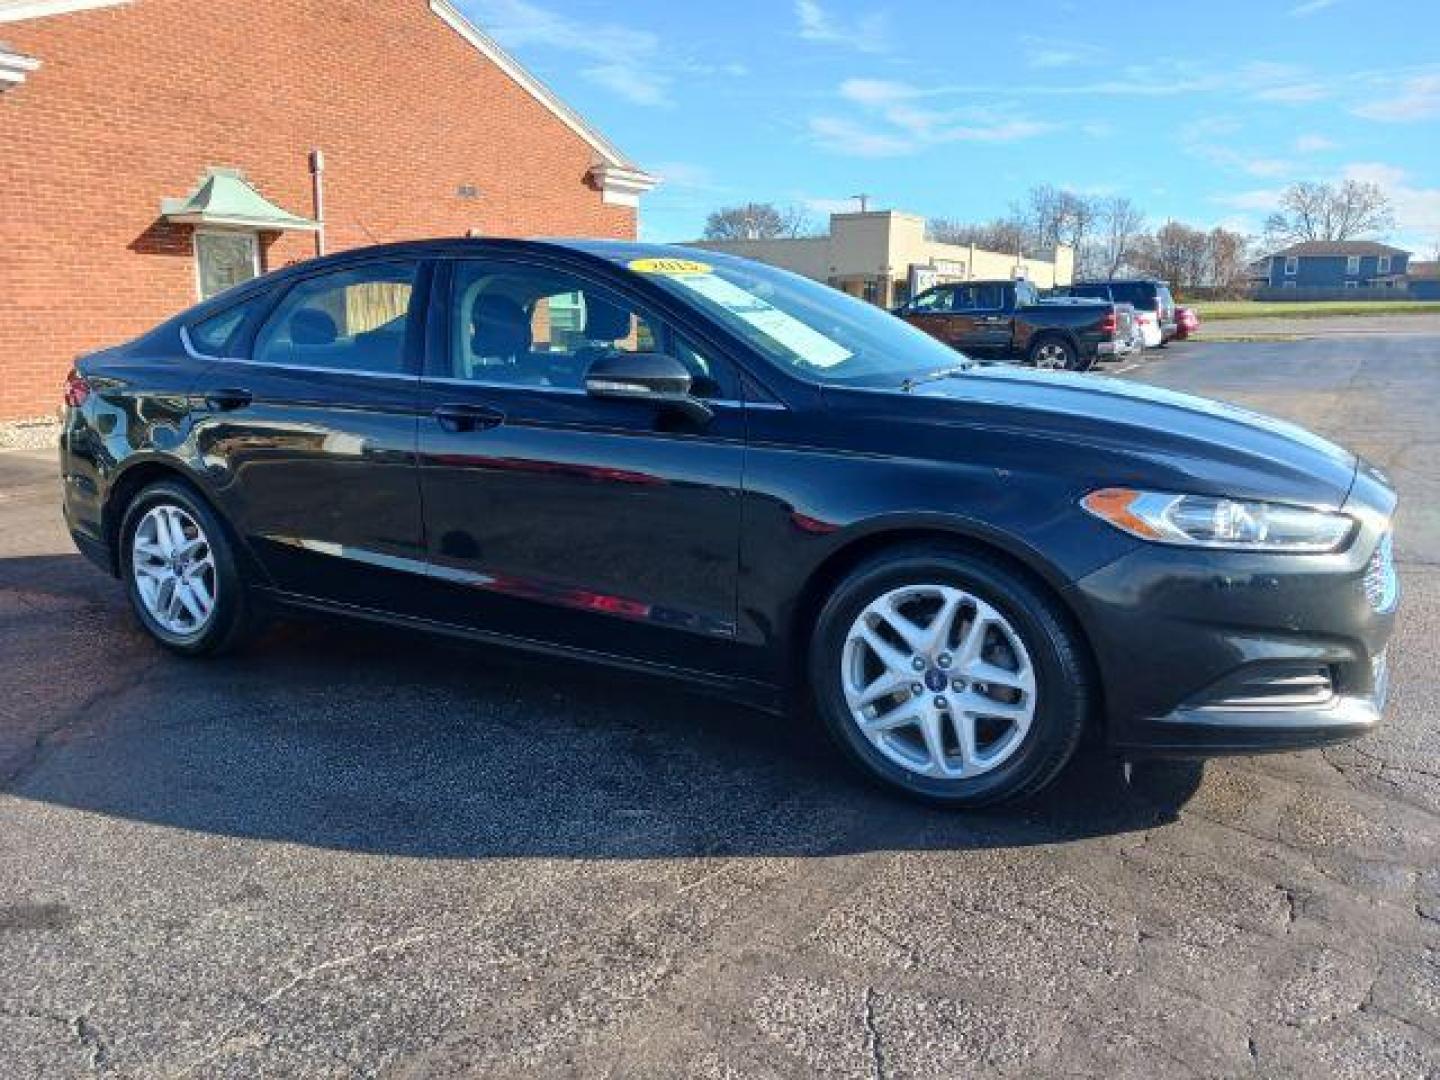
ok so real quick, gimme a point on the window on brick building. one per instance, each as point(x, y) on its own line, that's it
point(225, 259)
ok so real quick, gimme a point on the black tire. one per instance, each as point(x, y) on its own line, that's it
point(231, 620)
point(1063, 680)
point(1070, 358)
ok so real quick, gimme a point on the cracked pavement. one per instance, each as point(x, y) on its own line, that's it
point(354, 853)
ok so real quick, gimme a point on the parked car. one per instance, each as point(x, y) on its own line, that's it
point(724, 473)
point(1007, 320)
point(1154, 306)
point(1187, 321)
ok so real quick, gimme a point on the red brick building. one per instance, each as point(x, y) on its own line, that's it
point(155, 150)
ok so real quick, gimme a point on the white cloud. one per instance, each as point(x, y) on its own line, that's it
point(1416, 209)
point(1310, 7)
point(518, 23)
point(1258, 199)
point(894, 120)
point(1300, 93)
point(1045, 54)
point(1418, 99)
point(647, 88)
point(824, 206)
point(686, 175)
point(1211, 138)
point(628, 62)
point(1313, 144)
point(869, 33)
point(845, 136)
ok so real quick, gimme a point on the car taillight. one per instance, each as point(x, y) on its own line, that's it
point(1108, 324)
point(76, 390)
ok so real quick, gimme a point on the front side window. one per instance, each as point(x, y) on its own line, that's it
point(935, 300)
point(531, 326)
point(224, 260)
point(348, 320)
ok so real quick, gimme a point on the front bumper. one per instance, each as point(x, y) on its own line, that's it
point(1204, 653)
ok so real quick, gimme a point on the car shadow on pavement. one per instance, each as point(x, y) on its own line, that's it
point(349, 738)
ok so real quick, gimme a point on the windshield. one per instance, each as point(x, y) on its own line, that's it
point(809, 329)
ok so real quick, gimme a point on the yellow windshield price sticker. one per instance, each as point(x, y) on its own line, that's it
point(678, 267)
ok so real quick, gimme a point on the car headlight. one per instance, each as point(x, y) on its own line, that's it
point(1210, 522)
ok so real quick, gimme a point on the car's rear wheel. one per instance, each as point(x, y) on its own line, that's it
point(950, 677)
point(180, 571)
point(1056, 354)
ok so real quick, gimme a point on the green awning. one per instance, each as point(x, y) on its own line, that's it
point(225, 199)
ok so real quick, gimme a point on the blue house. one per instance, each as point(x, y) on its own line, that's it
point(1337, 264)
point(1424, 281)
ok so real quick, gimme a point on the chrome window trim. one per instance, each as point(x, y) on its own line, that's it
point(571, 391)
point(309, 368)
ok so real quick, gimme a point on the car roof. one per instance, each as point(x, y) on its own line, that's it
point(616, 251)
point(1127, 281)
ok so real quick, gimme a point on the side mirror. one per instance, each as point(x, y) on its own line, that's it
point(651, 377)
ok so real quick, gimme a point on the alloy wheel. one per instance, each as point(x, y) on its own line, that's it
point(1052, 356)
point(938, 681)
point(174, 570)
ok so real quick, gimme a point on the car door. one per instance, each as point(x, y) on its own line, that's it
point(308, 435)
point(550, 515)
point(989, 317)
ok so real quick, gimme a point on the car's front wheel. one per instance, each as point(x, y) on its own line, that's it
point(180, 571)
point(949, 676)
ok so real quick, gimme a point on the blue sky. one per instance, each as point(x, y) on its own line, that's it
point(1202, 112)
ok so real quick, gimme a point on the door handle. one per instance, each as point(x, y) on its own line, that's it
point(468, 417)
point(228, 399)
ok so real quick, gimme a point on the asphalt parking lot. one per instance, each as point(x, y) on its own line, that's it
point(348, 852)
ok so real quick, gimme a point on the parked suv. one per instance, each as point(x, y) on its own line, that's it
point(1154, 305)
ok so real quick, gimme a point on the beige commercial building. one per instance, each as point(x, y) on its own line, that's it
point(883, 256)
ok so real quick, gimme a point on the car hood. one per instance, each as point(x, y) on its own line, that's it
point(1129, 432)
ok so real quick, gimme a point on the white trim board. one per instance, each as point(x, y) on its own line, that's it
point(14, 67)
point(18, 10)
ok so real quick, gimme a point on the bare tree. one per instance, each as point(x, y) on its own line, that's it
point(1313, 211)
point(758, 221)
point(1229, 260)
point(1121, 224)
point(1054, 216)
point(1175, 253)
point(1003, 234)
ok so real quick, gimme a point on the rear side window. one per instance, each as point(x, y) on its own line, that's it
point(349, 320)
point(219, 334)
point(989, 297)
point(1139, 293)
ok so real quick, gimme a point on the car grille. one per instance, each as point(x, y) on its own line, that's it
point(1382, 584)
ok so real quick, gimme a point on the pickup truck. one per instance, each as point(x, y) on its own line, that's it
point(1007, 319)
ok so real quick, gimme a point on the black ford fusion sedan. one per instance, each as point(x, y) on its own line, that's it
point(683, 463)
